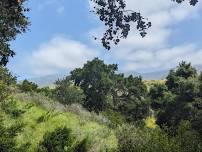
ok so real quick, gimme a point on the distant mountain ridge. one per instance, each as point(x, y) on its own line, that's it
point(157, 75)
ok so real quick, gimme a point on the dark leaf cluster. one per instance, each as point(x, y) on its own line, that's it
point(117, 19)
point(12, 22)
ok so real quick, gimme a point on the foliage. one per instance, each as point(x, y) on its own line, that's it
point(150, 122)
point(27, 86)
point(6, 80)
point(12, 22)
point(59, 140)
point(116, 118)
point(48, 116)
point(188, 138)
point(133, 139)
point(130, 98)
point(46, 91)
point(82, 146)
point(6, 76)
point(67, 93)
point(184, 84)
point(118, 20)
point(10, 108)
point(7, 138)
point(96, 80)
point(159, 96)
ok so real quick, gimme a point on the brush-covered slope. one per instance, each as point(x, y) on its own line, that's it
point(40, 115)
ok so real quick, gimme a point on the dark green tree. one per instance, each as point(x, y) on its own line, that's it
point(12, 22)
point(159, 96)
point(130, 98)
point(184, 85)
point(27, 86)
point(96, 80)
point(182, 81)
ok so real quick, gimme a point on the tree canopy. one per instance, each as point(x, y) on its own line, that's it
point(12, 22)
point(117, 19)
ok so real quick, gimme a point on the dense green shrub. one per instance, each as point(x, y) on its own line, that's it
point(67, 93)
point(61, 140)
point(132, 139)
point(115, 118)
point(8, 140)
point(82, 146)
point(130, 98)
point(10, 108)
point(46, 91)
point(6, 76)
point(188, 138)
point(27, 86)
point(184, 83)
point(6, 80)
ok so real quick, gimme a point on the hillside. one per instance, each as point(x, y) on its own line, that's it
point(41, 115)
point(156, 75)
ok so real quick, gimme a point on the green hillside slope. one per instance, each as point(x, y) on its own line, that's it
point(39, 118)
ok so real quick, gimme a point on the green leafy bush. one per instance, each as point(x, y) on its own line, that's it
point(10, 107)
point(27, 86)
point(6, 80)
point(61, 140)
point(132, 139)
point(67, 93)
point(8, 140)
point(188, 138)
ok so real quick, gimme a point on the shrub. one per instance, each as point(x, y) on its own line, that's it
point(66, 93)
point(27, 86)
point(46, 91)
point(10, 107)
point(59, 140)
point(131, 139)
point(7, 138)
point(6, 80)
point(82, 146)
point(115, 118)
point(189, 139)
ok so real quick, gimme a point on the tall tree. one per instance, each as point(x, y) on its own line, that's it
point(12, 22)
point(96, 80)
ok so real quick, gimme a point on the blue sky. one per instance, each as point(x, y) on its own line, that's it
point(60, 38)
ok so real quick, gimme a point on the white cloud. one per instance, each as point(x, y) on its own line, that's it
point(155, 52)
point(59, 54)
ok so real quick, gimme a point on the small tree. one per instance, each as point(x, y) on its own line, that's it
point(27, 86)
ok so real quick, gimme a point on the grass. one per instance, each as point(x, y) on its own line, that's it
point(39, 120)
